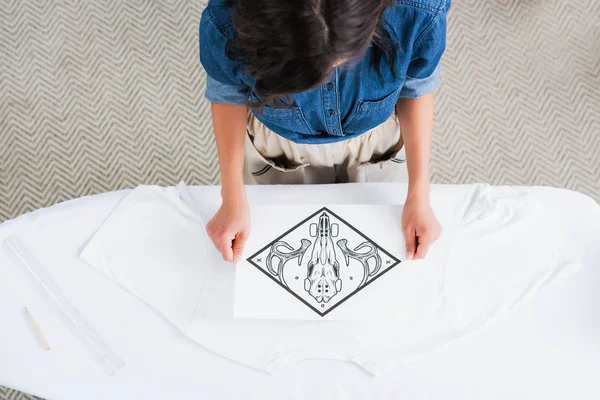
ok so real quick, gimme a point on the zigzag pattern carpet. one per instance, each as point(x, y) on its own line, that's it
point(105, 95)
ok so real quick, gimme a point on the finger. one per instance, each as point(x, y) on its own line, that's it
point(423, 246)
point(238, 245)
point(411, 243)
point(225, 245)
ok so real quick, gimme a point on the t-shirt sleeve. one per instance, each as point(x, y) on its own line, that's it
point(224, 83)
point(423, 74)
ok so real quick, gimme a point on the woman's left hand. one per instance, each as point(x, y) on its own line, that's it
point(420, 227)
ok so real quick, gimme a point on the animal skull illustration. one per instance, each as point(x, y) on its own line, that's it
point(323, 275)
point(322, 280)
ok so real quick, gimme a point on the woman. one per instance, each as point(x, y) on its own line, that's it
point(322, 91)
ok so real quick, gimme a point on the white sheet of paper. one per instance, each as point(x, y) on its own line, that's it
point(313, 262)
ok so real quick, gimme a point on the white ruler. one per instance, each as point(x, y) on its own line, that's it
point(106, 358)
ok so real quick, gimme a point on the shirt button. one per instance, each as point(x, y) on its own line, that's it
point(329, 86)
point(331, 112)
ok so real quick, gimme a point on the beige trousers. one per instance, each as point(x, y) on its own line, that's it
point(375, 156)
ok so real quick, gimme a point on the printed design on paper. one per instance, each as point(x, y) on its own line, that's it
point(323, 261)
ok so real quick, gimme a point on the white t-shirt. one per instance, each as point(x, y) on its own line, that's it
point(494, 253)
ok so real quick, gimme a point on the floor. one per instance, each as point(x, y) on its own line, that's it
point(99, 96)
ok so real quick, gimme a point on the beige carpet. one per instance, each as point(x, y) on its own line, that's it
point(98, 96)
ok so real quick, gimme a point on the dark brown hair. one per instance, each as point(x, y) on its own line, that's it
point(290, 46)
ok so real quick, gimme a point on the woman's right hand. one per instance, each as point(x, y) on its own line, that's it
point(230, 227)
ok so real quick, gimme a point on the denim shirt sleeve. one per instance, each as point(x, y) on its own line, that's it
point(223, 81)
point(423, 74)
point(217, 92)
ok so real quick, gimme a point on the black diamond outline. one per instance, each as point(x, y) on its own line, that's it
point(322, 314)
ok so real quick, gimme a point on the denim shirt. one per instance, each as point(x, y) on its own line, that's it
point(353, 99)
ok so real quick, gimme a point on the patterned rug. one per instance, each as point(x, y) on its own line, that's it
point(104, 95)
